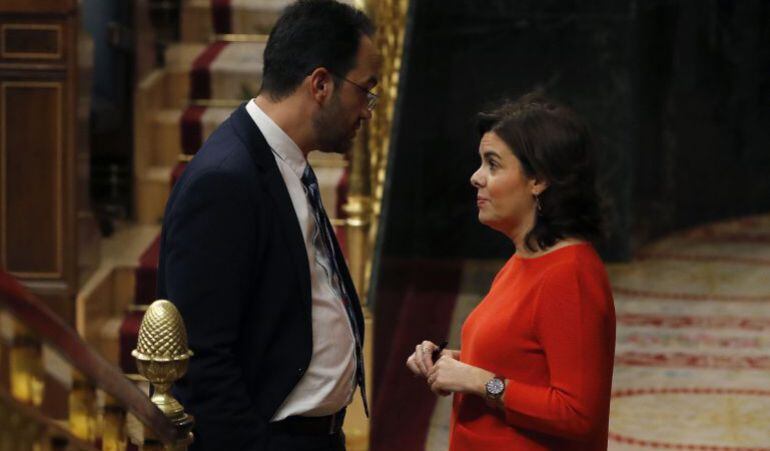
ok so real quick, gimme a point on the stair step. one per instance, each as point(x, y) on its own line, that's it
point(154, 186)
point(168, 130)
point(230, 70)
point(244, 17)
point(159, 174)
point(166, 145)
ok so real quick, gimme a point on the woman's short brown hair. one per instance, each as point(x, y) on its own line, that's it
point(553, 144)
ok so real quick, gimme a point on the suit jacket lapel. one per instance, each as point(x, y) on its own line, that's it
point(271, 178)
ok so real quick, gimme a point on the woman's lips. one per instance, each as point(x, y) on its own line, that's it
point(481, 201)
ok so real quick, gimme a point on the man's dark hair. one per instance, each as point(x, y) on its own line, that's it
point(311, 34)
point(552, 144)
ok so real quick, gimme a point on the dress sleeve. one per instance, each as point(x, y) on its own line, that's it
point(574, 322)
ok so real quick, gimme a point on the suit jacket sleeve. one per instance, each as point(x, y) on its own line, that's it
point(209, 266)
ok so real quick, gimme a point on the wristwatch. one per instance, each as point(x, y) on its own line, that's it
point(495, 388)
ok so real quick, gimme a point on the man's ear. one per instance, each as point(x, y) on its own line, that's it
point(321, 84)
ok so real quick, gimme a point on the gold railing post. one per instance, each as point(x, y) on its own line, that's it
point(113, 425)
point(358, 217)
point(82, 408)
point(58, 444)
point(5, 428)
point(162, 357)
point(14, 425)
point(357, 221)
point(150, 443)
point(8, 435)
point(29, 433)
point(27, 384)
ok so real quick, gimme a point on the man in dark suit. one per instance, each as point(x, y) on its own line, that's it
point(248, 254)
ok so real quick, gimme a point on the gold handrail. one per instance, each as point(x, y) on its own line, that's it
point(41, 325)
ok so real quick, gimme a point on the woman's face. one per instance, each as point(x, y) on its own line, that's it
point(505, 195)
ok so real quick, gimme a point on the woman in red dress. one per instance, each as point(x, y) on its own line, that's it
point(534, 371)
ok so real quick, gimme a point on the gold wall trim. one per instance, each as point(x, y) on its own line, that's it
point(5, 53)
point(58, 188)
point(369, 160)
point(391, 20)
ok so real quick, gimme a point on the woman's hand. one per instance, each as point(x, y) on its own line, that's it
point(451, 354)
point(421, 361)
point(449, 375)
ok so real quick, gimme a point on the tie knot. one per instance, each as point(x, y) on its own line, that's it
point(308, 177)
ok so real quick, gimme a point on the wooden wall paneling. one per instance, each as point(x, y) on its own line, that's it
point(31, 41)
point(48, 236)
point(32, 178)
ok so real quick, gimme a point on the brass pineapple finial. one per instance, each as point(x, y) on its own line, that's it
point(162, 355)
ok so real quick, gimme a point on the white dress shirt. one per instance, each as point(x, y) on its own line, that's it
point(329, 382)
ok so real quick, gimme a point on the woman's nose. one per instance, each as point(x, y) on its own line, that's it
point(476, 179)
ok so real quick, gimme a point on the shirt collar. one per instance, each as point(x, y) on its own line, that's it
point(281, 144)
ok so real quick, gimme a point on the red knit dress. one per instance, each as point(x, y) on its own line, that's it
point(547, 325)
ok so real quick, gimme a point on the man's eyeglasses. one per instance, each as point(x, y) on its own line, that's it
point(371, 98)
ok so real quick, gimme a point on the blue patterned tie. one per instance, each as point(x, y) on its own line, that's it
point(322, 239)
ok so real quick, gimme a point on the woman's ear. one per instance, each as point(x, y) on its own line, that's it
point(538, 185)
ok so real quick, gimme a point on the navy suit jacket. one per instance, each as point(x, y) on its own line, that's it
point(233, 261)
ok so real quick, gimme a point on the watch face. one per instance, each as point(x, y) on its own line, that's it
point(495, 387)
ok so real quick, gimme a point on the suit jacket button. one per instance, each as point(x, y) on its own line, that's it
point(300, 370)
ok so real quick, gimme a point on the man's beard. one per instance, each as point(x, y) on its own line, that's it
point(331, 131)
